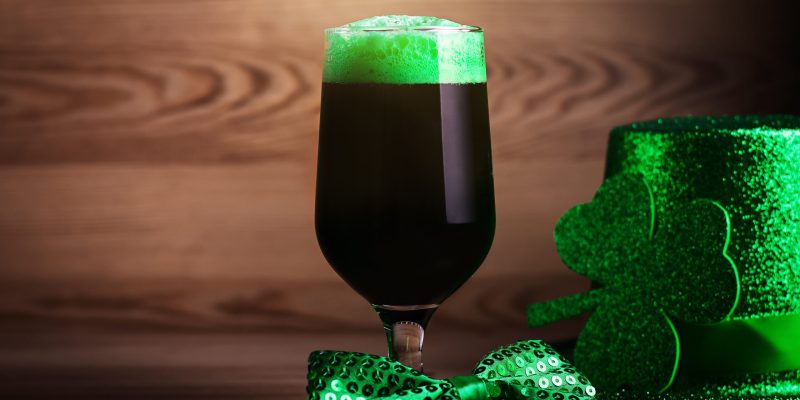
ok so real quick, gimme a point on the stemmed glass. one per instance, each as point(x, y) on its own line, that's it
point(405, 199)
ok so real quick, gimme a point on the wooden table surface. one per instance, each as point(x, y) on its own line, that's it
point(270, 365)
point(231, 339)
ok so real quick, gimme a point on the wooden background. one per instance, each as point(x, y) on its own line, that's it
point(157, 172)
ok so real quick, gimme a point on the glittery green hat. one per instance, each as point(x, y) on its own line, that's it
point(693, 247)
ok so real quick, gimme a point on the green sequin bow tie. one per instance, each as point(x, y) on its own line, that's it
point(528, 369)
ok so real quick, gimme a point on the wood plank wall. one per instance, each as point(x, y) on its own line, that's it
point(157, 157)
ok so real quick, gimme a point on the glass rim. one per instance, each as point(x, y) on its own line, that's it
point(387, 29)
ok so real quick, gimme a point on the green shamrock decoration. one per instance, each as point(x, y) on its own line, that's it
point(648, 272)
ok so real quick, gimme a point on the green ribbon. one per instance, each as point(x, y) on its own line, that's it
point(528, 369)
point(728, 348)
point(470, 387)
point(735, 347)
point(731, 347)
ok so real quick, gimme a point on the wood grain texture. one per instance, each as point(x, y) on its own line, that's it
point(157, 164)
point(102, 88)
point(492, 305)
point(157, 157)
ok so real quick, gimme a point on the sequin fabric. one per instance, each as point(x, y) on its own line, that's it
point(528, 369)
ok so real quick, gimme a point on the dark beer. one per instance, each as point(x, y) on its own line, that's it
point(405, 202)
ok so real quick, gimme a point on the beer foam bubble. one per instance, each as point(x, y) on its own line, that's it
point(402, 49)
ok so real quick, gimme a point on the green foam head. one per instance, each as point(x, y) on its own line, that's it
point(401, 49)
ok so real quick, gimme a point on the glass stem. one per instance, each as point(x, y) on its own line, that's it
point(405, 331)
point(405, 343)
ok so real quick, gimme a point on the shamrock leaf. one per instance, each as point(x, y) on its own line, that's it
point(647, 271)
point(606, 229)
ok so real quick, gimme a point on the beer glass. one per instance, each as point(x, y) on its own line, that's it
point(404, 197)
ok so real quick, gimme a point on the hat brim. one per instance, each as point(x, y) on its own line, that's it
point(762, 386)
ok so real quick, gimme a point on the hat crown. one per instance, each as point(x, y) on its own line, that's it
point(751, 166)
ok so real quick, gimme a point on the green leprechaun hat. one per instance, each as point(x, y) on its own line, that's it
point(692, 244)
